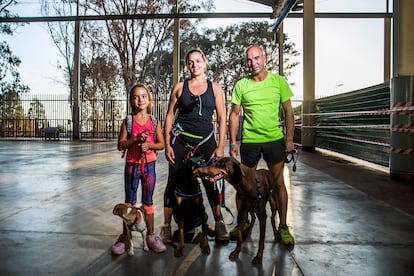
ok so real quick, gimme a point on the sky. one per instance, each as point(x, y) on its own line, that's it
point(348, 52)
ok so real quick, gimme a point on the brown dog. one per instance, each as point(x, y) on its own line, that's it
point(254, 189)
point(133, 220)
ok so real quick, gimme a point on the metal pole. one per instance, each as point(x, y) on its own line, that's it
point(387, 46)
point(76, 79)
point(176, 52)
point(281, 39)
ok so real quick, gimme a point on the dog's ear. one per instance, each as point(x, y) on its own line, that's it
point(129, 210)
point(239, 165)
point(242, 171)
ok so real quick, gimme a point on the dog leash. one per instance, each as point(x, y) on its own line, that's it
point(221, 187)
point(292, 158)
point(144, 163)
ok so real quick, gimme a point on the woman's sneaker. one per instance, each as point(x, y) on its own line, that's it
point(166, 234)
point(155, 243)
point(222, 234)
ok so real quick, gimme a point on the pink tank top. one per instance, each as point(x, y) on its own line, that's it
point(134, 154)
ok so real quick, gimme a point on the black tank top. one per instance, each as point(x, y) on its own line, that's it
point(195, 113)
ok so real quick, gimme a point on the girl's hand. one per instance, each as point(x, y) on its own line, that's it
point(145, 147)
point(140, 138)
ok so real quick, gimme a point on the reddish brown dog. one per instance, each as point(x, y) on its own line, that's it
point(254, 189)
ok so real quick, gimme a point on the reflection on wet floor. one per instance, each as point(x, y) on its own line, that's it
point(56, 217)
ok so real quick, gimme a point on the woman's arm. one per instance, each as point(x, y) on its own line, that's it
point(221, 118)
point(169, 120)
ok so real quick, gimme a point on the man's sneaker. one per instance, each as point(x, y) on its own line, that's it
point(221, 231)
point(165, 234)
point(234, 231)
point(155, 243)
point(285, 235)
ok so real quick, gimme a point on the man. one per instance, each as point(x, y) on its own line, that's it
point(260, 95)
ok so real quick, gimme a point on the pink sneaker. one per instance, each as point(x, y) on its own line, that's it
point(155, 243)
point(118, 248)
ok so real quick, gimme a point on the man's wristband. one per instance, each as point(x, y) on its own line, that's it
point(233, 144)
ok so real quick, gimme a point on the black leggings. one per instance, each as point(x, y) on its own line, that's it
point(180, 173)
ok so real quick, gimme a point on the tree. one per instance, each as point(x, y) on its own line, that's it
point(100, 82)
point(62, 34)
point(36, 117)
point(10, 84)
point(138, 43)
point(225, 49)
point(9, 63)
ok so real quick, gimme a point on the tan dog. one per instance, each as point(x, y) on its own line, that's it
point(133, 220)
point(254, 189)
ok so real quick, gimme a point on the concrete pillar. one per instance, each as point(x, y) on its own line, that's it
point(402, 92)
point(308, 106)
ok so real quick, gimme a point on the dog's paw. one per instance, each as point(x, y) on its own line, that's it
point(179, 252)
point(205, 247)
point(234, 254)
point(205, 250)
point(130, 252)
point(257, 260)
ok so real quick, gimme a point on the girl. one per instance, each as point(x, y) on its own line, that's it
point(138, 140)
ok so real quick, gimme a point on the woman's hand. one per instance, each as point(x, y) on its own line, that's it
point(169, 154)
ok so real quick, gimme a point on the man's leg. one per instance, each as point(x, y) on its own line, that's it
point(276, 168)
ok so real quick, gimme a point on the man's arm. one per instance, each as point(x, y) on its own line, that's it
point(234, 119)
point(289, 124)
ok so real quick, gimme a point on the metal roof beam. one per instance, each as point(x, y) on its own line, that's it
point(188, 15)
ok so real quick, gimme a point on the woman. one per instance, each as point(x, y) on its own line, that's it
point(192, 134)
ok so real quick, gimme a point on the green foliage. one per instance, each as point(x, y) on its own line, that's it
point(225, 49)
point(9, 63)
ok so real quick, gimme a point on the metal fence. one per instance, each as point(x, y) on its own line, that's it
point(354, 123)
point(29, 116)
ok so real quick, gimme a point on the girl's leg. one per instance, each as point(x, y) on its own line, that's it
point(131, 182)
point(148, 185)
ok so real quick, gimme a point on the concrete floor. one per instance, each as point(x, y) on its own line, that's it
point(56, 201)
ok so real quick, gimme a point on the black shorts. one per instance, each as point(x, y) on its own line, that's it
point(272, 152)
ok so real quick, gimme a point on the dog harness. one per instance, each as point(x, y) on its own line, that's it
point(141, 226)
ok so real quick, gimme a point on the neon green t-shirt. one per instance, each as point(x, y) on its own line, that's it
point(260, 102)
